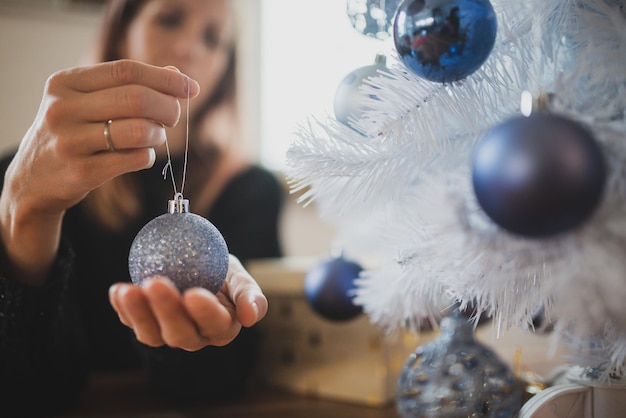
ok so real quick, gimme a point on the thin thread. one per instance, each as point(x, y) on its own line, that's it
point(168, 164)
point(182, 187)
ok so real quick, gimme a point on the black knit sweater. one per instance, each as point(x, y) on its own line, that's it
point(53, 337)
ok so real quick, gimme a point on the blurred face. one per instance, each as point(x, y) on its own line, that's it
point(193, 35)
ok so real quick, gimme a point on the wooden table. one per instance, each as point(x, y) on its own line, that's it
point(126, 396)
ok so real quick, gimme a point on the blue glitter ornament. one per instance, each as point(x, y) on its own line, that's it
point(182, 246)
point(372, 18)
point(455, 376)
point(539, 175)
point(444, 40)
point(329, 288)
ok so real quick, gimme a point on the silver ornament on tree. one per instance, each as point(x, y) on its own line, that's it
point(349, 103)
point(373, 18)
point(455, 376)
point(182, 246)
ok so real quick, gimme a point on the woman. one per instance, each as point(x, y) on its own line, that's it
point(84, 181)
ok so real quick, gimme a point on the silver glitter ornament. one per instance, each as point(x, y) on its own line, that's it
point(182, 246)
point(454, 376)
point(372, 18)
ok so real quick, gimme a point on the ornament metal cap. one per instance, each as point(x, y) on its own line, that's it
point(539, 103)
point(178, 204)
point(380, 59)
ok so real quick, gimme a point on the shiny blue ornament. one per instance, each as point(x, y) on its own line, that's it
point(329, 288)
point(444, 40)
point(538, 176)
point(182, 246)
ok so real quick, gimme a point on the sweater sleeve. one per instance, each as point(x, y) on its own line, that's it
point(41, 345)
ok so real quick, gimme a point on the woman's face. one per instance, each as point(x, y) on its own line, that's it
point(193, 35)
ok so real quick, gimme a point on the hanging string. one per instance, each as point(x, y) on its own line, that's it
point(168, 164)
point(182, 187)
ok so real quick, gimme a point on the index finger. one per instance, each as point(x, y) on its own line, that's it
point(124, 72)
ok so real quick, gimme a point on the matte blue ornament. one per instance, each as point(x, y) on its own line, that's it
point(329, 288)
point(372, 18)
point(539, 175)
point(349, 99)
point(182, 246)
point(444, 40)
point(455, 376)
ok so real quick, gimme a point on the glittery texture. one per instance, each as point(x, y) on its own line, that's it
point(454, 376)
point(184, 247)
point(372, 17)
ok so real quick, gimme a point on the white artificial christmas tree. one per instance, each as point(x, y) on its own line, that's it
point(398, 185)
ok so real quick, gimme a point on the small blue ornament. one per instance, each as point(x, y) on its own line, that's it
point(329, 288)
point(539, 175)
point(349, 99)
point(182, 246)
point(444, 40)
point(372, 18)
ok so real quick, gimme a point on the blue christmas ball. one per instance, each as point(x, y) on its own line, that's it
point(444, 40)
point(538, 176)
point(329, 288)
point(184, 247)
point(456, 376)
